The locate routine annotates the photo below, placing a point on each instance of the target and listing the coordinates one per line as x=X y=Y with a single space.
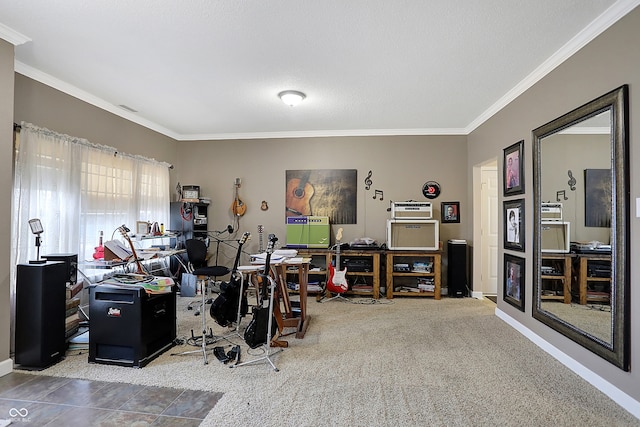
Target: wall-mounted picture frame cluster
x=514 y=278
x=450 y=212
x=513 y=225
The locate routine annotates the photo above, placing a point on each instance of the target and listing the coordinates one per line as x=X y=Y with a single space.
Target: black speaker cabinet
x=70 y=261
x=457 y=268
x=129 y=327
x=40 y=314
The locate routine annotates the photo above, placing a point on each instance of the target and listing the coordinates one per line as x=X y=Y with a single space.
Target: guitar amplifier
x=411 y=210
x=554 y=236
x=405 y=234
x=306 y=232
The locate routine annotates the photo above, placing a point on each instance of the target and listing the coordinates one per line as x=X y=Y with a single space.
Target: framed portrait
x=514 y=224
x=512 y=168
x=513 y=291
x=450 y=212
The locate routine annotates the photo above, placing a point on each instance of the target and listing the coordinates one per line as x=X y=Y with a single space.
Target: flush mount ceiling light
x=291 y=97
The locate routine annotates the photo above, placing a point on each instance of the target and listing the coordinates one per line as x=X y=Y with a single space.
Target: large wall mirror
x=581 y=225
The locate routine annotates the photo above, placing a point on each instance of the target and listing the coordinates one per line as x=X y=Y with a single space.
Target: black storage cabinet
x=129 y=327
x=40 y=309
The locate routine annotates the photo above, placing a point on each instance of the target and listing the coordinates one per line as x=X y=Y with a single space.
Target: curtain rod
x=17 y=127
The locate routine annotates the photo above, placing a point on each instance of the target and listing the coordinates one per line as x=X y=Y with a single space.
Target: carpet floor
x=409 y=362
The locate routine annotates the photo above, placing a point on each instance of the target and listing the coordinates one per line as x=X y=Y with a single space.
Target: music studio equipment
x=411 y=210
x=406 y=234
x=307 y=232
x=554 y=236
x=457 y=268
x=70 y=262
x=128 y=326
x=40 y=313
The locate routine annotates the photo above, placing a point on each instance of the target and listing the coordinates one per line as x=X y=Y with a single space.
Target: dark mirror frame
x=617 y=102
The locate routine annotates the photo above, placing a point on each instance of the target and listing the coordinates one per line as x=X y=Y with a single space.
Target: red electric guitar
x=337 y=283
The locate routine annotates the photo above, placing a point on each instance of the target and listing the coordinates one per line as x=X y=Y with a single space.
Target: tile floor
x=27 y=399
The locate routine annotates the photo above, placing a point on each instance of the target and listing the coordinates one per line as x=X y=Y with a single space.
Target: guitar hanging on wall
x=238 y=207
x=337 y=283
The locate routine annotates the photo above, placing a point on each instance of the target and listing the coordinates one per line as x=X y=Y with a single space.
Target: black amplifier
x=357 y=265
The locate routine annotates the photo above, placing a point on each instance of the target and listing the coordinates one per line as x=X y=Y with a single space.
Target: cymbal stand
x=266 y=346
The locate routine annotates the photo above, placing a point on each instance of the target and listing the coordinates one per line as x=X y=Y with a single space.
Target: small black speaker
x=71 y=263
x=457 y=268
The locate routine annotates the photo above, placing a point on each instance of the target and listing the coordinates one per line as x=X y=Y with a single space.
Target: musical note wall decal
x=380 y=193
x=368 y=182
x=561 y=193
x=572 y=181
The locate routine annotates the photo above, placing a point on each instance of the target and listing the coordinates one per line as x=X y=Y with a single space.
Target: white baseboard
x=6 y=367
x=477 y=294
x=620 y=397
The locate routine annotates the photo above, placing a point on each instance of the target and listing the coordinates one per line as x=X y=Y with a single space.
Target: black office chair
x=197 y=265
x=197 y=254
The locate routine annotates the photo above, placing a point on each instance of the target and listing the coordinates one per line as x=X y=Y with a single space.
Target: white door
x=489 y=229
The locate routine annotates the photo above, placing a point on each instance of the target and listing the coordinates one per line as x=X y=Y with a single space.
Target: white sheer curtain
x=78 y=189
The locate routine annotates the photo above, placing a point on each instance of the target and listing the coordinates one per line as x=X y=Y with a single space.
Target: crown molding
x=12 y=36
x=609 y=17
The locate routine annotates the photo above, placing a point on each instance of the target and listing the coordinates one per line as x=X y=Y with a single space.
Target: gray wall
x=6 y=176
x=400 y=166
x=609 y=61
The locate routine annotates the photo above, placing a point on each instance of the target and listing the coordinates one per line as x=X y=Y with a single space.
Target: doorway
x=485 y=229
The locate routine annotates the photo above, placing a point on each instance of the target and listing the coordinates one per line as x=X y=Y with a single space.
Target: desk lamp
x=36 y=228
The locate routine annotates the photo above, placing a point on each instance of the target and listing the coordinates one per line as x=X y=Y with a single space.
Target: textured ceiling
x=212 y=69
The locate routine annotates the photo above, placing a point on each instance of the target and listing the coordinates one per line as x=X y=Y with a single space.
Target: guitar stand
x=266 y=346
x=337 y=297
x=204 y=343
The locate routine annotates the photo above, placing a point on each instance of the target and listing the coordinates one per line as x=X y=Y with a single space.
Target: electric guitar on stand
x=337 y=283
x=260 y=232
x=225 y=307
x=256 y=333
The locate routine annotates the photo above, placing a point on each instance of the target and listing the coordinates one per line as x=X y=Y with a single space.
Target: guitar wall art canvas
x=322 y=192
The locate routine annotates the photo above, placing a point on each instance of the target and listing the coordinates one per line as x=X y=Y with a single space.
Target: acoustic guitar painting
x=238 y=207
x=337 y=283
x=299 y=193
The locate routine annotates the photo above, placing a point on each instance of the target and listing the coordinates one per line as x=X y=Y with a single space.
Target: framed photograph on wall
x=513 y=291
x=512 y=168
x=450 y=212
x=513 y=220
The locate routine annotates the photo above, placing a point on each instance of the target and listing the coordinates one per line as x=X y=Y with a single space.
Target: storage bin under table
x=128 y=326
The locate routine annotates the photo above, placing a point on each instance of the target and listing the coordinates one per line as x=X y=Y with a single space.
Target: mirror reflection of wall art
x=514 y=224
x=597 y=197
x=322 y=192
x=512 y=168
x=514 y=278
